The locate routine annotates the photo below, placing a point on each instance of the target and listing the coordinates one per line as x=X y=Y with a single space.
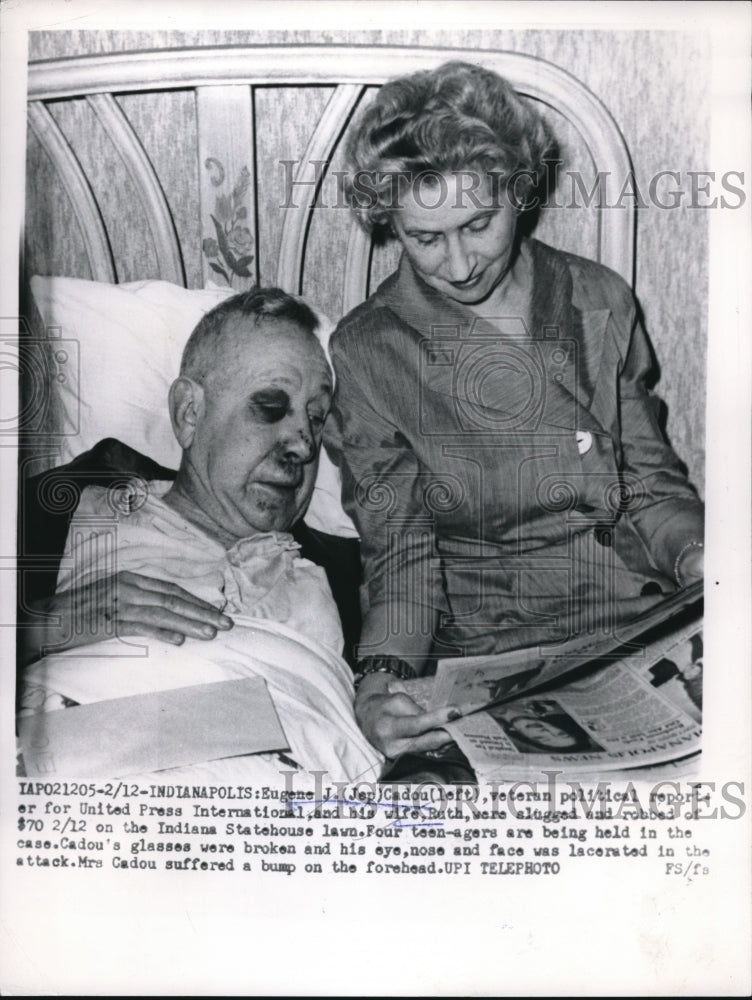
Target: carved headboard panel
x=221 y=165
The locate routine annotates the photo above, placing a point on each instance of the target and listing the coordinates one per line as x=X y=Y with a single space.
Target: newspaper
x=474 y=681
x=586 y=706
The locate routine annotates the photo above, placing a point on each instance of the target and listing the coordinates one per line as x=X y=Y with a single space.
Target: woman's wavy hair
x=453 y=118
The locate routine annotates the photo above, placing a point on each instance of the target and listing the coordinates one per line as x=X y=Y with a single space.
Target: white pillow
x=130 y=338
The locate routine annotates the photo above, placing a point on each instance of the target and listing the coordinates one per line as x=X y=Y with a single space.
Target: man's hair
x=458 y=117
x=203 y=352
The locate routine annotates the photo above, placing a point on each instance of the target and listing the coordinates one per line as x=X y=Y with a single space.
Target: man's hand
x=393 y=722
x=122 y=604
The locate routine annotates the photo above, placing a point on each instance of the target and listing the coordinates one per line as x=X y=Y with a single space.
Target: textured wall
x=655 y=84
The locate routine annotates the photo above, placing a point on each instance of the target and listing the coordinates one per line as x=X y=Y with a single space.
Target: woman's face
x=692 y=670
x=543 y=732
x=458 y=235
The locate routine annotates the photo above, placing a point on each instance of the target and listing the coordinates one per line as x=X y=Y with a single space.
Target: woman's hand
x=393 y=722
x=122 y=604
x=690 y=565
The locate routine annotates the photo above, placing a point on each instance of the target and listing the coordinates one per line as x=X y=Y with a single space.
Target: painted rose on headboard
x=229 y=250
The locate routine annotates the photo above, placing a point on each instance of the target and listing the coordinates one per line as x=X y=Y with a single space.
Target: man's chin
x=271 y=508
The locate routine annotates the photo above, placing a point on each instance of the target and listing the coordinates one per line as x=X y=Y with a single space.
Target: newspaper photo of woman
x=680 y=677
x=543 y=727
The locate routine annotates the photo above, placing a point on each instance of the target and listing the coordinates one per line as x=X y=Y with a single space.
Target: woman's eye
x=426 y=241
x=478 y=225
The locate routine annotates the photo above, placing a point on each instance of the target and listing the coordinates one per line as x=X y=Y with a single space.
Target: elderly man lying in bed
x=210 y=554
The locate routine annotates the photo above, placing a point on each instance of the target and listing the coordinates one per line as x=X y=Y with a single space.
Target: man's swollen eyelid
x=271 y=413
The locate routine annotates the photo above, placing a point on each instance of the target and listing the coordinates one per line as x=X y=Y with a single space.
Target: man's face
x=253 y=458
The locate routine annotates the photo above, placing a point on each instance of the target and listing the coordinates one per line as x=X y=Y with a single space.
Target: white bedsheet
x=311 y=688
x=286 y=629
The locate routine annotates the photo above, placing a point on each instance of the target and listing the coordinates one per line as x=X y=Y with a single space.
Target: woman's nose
x=458 y=262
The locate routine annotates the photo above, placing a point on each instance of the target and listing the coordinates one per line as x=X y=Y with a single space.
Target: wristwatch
x=383 y=665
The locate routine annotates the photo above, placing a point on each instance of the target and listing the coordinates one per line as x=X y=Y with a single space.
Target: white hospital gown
x=286 y=630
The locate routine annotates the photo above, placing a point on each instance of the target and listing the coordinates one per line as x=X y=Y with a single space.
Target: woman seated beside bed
x=248 y=411
x=499 y=450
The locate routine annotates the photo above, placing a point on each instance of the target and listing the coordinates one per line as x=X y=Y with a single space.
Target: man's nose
x=458 y=261
x=298 y=443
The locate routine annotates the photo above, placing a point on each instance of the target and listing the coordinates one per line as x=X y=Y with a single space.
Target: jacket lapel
x=557 y=349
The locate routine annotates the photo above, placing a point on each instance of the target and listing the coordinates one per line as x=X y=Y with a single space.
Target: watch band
x=383 y=665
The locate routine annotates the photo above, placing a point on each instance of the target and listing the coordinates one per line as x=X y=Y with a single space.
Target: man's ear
x=186 y=402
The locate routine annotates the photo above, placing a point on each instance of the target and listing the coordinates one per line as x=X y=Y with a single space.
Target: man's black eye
x=270 y=405
x=273 y=414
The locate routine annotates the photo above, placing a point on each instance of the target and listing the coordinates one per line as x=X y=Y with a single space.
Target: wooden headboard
x=115 y=191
